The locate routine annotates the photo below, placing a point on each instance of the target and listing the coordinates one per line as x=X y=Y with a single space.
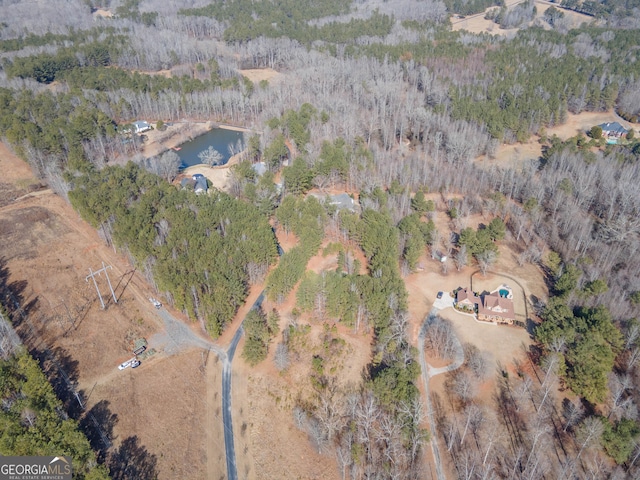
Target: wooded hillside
x=383 y=101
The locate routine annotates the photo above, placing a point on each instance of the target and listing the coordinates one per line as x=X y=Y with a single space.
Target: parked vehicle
x=155 y=302
x=439 y=295
x=135 y=364
x=128 y=363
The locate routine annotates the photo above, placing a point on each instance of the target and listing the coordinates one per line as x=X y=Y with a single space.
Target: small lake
x=218 y=138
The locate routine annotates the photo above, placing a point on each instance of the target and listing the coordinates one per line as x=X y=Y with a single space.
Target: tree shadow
x=126 y=279
x=12 y=295
x=62 y=372
x=132 y=461
x=98 y=424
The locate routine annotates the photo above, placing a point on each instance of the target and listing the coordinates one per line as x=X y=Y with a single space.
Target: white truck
x=132 y=362
x=155 y=302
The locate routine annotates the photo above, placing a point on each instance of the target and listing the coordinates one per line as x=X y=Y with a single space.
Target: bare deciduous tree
x=211 y=156
x=169 y=165
x=281 y=357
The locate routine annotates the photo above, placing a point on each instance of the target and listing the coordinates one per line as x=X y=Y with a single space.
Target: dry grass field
x=153 y=413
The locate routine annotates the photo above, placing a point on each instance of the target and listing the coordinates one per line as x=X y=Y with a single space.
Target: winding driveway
x=230 y=452
x=427 y=372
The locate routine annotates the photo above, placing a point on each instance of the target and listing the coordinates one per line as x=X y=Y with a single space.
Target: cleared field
x=478 y=24
x=150 y=417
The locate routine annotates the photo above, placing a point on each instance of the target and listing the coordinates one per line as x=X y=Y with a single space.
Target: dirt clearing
x=219 y=177
x=258 y=74
x=517 y=154
x=478 y=24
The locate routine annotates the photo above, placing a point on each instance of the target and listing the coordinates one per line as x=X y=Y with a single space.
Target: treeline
x=50 y=130
x=344 y=418
x=586 y=340
x=585 y=69
x=338 y=32
x=558 y=74
x=201 y=251
x=46 y=67
x=471 y=7
x=250 y=20
x=109 y=79
x=306 y=219
x=49 y=39
x=32 y=417
x=603 y=10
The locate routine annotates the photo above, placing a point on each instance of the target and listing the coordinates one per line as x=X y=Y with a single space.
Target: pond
x=218 y=138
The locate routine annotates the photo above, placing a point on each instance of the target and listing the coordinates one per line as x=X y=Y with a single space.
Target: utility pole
x=93 y=274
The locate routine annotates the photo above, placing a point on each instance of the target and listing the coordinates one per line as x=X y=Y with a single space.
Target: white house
x=140 y=126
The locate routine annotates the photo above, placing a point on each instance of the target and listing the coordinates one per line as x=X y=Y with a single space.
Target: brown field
x=515 y=155
x=258 y=74
x=478 y=24
x=102 y=13
x=153 y=413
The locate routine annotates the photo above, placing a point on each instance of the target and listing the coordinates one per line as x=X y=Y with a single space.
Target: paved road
x=232 y=471
x=227 y=420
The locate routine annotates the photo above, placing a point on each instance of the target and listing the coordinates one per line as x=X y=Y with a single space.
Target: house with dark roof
x=613 y=130
x=201 y=185
x=197 y=183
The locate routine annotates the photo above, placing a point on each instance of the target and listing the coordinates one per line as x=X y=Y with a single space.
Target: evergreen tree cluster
x=306 y=219
x=586 y=338
x=482 y=241
x=33 y=421
x=292 y=19
x=259 y=329
x=199 y=249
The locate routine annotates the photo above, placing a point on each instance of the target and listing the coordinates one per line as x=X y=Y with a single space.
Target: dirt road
x=428 y=372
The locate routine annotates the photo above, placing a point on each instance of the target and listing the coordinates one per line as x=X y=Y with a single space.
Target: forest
x=383 y=100
x=197 y=249
x=32 y=417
